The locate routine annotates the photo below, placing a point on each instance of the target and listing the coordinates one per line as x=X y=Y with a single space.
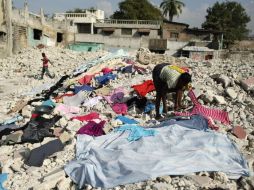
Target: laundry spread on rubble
x=115 y=145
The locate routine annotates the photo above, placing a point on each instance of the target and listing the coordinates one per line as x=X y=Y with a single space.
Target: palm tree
x=171 y=8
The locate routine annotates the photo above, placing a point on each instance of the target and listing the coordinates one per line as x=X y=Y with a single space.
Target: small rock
x=220 y=100
x=161 y=186
x=231 y=93
x=64 y=184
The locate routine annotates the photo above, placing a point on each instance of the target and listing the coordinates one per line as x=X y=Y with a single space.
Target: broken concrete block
x=231 y=93
x=64 y=184
x=239 y=132
x=65 y=137
x=248 y=84
x=220 y=100
x=201 y=181
x=22 y=153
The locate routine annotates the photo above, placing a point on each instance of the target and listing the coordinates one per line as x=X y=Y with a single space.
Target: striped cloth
x=209 y=114
x=170 y=76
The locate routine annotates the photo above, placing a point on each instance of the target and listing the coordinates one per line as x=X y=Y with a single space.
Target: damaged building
x=20 y=29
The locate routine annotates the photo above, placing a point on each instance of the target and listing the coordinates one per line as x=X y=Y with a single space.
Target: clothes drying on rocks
x=87 y=117
x=75 y=100
x=49 y=103
x=116 y=96
x=7 y=129
x=39 y=128
x=88 y=88
x=3 y=178
x=126 y=120
x=102 y=80
x=209 y=114
x=67 y=110
x=92 y=102
x=144 y=88
x=140 y=102
x=106 y=70
x=86 y=79
x=136 y=132
x=13 y=120
x=120 y=108
x=92 y=128
x=197 y=122
x=160 y=155
x=38 y=155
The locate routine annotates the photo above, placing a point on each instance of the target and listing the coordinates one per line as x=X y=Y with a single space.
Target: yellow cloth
x=178 y=69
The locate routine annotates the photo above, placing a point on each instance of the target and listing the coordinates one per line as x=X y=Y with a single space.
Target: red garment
x=45 y=61
x=88 y=117
x=120 y=108
x=86 y=79
x=143 y=89
x=209 y=114
x=106 y=70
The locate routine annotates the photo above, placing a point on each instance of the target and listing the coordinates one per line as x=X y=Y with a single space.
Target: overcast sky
x=193 y=13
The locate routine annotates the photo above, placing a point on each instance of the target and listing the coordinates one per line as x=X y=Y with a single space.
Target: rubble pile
x=220 y=84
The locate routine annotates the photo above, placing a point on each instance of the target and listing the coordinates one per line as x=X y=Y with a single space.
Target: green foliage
x=137 y=10
x=171 y=8
x=230 y=18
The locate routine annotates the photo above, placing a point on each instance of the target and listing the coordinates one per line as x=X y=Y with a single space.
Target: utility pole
x=8 y=19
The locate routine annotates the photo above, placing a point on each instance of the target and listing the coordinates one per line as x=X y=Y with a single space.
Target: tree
x=230 y=18
x=137 y=10
x=171 y=8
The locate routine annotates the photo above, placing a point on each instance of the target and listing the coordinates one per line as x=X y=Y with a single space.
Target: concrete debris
x=222 y=84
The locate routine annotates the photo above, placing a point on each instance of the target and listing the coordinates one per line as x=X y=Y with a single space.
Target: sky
x=193 y=13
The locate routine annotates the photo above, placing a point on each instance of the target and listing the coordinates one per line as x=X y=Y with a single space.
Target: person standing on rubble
x=167 y=79
x=45 y=69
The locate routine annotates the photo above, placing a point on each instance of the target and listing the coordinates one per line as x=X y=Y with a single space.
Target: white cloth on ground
x=111 y=160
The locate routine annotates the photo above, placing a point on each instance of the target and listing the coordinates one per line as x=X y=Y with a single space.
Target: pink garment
x=209 y=114
x=64 y=109
x=120 y=108
x=106 y=70
x=116 y=96
x=92 y=129
x=86 y=79
x=88 y=117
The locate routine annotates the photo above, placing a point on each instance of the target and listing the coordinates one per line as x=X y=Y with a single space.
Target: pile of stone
x=223 y=84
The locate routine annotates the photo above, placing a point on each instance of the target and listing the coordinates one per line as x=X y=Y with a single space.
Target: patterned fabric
x=170 y=76
x=209 y=114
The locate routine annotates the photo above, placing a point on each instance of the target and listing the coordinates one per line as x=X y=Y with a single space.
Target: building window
x=37 y=34
x=2 y=37
x=126 y=31
x=59 y=37
x=174 y=35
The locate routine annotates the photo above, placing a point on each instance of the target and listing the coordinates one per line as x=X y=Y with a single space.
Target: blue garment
x=126 y=120
x=13 y=120
x=136 y=132
x=105 y=78
x=195 y=122
x=49 y=103
x=3 y=178
x=88 y=88
x=150 y=106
